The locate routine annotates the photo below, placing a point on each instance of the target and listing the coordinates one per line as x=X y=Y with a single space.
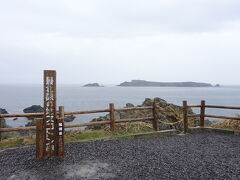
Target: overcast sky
x=110 y=41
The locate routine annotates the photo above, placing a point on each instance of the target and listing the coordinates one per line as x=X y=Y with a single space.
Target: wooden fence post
x=202 y=114
x=39 y=138
x=60 y=135
x=185 y=117
x=112 y=117
x=0 y=127
x=155 y=118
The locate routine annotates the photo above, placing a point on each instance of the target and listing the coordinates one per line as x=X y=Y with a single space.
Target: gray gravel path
x=193 y=156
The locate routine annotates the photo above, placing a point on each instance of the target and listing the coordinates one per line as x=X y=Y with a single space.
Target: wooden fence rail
x=203 y=114
x=112 y=121
x=73 y=112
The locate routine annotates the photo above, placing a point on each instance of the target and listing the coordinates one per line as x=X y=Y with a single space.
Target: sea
x=14 y=98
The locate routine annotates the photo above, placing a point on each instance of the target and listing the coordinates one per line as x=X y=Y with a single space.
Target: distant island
x=92 y=85
x=143 y=83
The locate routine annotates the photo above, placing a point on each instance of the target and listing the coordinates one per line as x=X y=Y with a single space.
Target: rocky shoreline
x=167 y=112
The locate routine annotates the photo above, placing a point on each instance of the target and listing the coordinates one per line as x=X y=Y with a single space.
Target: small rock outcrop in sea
x=3 y=121
x=37 y=109
x=69 y=118
x=33 y=109
x=167 y=112
x=3 y=111
x=92 y=85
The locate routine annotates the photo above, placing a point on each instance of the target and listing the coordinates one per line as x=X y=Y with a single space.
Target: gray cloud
x=112 y=41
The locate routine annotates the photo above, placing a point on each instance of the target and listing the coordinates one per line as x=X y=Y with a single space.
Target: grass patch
x=83 y=135
x=78 y=135
x=129 y=128
x=227 y=124
x=17 y=142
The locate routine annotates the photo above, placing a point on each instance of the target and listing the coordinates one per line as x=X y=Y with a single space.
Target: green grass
x=227 y=124
x=16 y=142
x=97 y=134
x=87 y=135
x=81 y=135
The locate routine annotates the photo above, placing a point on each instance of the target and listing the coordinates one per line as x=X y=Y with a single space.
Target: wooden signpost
x=50 y=129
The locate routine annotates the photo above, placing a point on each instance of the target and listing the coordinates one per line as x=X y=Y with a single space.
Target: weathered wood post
x=0 y=127
x=50 y=114
x=202 y=114
x=60 y=134
x=185 y=117
x=155 y=117
x=39 y=138
x=50 y=130
x=112 y=117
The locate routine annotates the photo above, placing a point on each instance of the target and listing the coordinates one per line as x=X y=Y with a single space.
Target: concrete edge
x=148 y=134
x=154 y=133
x=109 y=138
x=138 y=135
x=214 y=130
x=19 y=147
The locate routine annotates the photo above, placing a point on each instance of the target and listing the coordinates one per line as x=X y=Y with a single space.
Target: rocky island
x=143 y=83
x=92 y=85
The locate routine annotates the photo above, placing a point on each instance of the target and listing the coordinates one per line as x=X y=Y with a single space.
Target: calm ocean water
x=15 y=98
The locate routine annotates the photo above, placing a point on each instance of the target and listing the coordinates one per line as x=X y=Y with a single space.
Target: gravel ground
x=193 y=156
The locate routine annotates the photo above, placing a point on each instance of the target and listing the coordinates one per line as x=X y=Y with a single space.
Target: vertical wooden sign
x=49 y=138
x=49 y=119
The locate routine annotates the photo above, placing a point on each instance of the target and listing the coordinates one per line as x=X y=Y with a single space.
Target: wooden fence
x=112 y=121
x=203 y=114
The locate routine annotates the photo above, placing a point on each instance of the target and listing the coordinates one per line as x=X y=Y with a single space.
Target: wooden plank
x=222 y=117
x=112 y=117
x=42 y=114
x=87 y=111
x=73 y=112
x=222 y=107
x=107 y=122
x=18 y=129
x=193 y=115
x=1 y=128
x=185 y=117
x=202 y=114
x=86 y=124
x=106 y=110
x=60 y=134
x=39 y=138
x=50 y=110
x=21 y=115
x=155 y=117
x=194 y=106
x=78 y=125
x=133 y=120
x=134 y=108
